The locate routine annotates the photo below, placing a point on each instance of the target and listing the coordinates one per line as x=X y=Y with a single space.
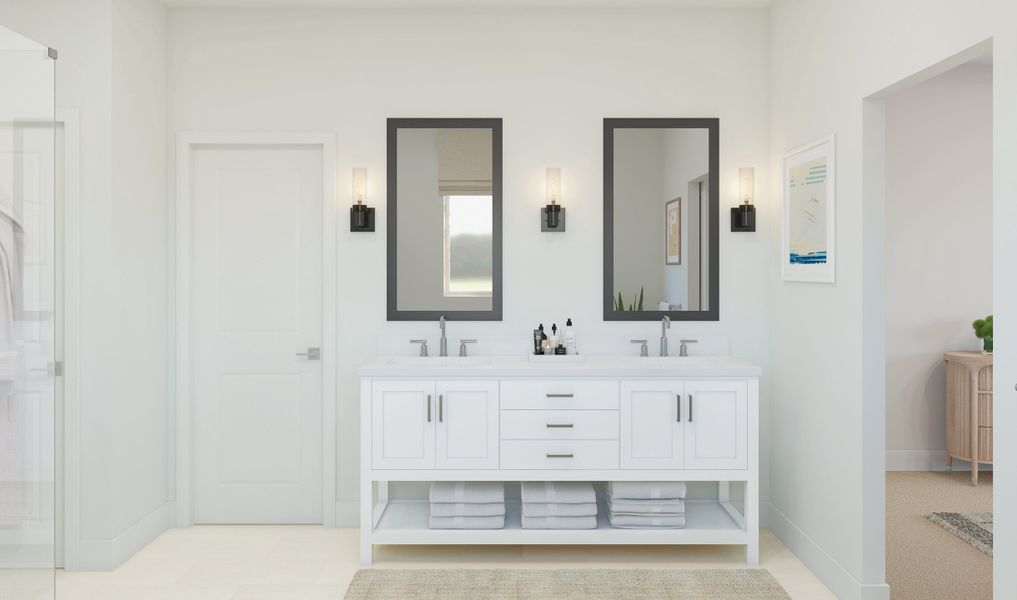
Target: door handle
x=679 y=403
x=311 y=354
x=429 y=408
x=441 y=408
x=690 y=408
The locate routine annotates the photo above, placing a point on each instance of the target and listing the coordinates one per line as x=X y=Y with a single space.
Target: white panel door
x=403 y=418
x=467 y=436
x=651 y=427
x=717 y=425
x=256 y=304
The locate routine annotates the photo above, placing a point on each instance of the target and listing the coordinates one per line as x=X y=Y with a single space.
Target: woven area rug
x=564 y=584
x=973 y=528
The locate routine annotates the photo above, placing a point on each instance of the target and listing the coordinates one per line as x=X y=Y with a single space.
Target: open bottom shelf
x=706 y=522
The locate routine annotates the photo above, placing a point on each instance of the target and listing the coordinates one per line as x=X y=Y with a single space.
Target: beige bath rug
x=564 y=584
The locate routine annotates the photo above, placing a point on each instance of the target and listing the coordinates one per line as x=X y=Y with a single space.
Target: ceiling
x=470 y=3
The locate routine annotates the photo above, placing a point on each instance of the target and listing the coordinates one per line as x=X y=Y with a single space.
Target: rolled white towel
x=647 y=521
x=553 y=509
x=467 y=509
x=647 y=507
x=479 y=492
x=497 y=522
x=559 y=492
x=559 y=522
x=646 y=490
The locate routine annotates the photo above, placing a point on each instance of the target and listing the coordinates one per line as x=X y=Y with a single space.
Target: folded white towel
x=553 y=509
x=559 y=522
x=641 y=490
x=647 y=521
x=467 y=509
x=646 y=507
x=468 y=491
x=561 y=492
x=497 y=522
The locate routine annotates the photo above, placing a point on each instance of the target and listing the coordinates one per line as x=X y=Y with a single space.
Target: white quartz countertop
x=586 y=367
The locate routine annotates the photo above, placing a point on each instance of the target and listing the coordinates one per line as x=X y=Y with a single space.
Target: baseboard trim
x=841 y=582
x=924 y=460
x=347 y=513
x=106 y=555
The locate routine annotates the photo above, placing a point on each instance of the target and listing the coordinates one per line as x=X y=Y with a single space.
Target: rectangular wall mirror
x=444 y=219
x=661 y=225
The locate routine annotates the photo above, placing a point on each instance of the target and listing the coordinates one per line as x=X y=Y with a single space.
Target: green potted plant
x=983 y=330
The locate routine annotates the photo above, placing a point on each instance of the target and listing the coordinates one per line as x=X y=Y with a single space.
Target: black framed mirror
x=444 y=219
x=661 y=219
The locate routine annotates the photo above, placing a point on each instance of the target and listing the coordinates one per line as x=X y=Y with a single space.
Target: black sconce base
x=743 y=217
x=559 y=216
x=361 y=218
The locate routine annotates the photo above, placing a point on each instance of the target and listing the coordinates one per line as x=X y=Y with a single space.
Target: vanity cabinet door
x=651 y=428
x=467 y=425
x=402 y=424
x=716 y=425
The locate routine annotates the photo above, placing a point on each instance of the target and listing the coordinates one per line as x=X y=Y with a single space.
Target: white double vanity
x=693 y=419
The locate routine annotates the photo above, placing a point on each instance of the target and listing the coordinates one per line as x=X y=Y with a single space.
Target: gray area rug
x=564 y=584
x=973 y=528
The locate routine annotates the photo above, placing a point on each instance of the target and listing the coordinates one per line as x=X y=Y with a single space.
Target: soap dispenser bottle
x=570 y=338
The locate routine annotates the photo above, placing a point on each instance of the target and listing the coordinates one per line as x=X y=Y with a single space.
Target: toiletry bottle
x=538 y=337
x=554 y=335
x=570 y=338
x=543 y=340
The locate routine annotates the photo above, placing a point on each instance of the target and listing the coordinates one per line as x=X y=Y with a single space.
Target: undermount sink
x=665 y=361
x=440 y=361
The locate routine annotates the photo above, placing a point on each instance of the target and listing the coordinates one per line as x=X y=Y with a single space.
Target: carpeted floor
x=564 y=584
x=923 y=560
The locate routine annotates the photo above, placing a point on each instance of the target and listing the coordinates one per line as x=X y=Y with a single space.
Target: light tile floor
x=311 y=563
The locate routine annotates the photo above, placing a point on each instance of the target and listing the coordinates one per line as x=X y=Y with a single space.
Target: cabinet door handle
x=429 y=408
x=441 y=408
x=679 y=403
x=559 y=425
x=560 y=395
x=690 y=408
x=569 y=455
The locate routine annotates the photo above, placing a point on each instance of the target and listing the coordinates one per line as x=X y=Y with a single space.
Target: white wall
x=112 y=62
x=828 y=413
x=552 y=75
x=938 y=251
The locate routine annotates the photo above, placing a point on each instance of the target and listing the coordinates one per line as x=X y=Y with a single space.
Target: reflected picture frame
x=673 y=232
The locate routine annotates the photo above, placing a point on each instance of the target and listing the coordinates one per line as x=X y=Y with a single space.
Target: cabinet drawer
x=560 y=394
x=559 y=425
x=559 y=454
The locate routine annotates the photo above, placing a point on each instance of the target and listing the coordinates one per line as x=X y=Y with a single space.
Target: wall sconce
x=361 y=215
x=743 y=216
x=552 y=216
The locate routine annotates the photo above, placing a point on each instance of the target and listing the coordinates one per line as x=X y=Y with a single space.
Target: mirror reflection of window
x=467 y=245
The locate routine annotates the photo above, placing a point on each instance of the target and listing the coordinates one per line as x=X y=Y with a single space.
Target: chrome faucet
x=443 y=342
x=665 y=324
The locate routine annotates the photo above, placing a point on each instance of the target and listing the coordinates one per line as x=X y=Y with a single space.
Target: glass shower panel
x=28 y=334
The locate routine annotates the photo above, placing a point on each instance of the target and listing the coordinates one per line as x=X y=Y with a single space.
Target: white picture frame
x=809 y=248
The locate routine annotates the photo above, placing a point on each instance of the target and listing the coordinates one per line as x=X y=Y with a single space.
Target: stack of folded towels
x=467 y=505
x=559 y=505
x=646 y=504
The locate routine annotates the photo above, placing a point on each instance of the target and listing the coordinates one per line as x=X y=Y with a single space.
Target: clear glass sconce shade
x=359 y=185
x=747 y=185
x=553 y=185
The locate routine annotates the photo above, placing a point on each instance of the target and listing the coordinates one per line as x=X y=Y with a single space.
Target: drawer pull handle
x=561 y=395
x=569 y=455
x=560 y=425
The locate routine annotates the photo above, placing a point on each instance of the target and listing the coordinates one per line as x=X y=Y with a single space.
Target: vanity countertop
x=590 y=366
